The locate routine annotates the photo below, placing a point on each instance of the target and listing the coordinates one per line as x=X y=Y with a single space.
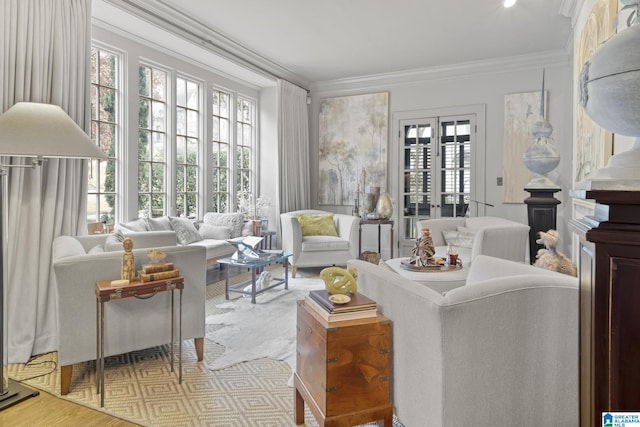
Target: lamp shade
x=31 y=129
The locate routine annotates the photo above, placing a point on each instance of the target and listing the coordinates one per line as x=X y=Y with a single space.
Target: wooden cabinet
x=609 y=269
x=343 y=370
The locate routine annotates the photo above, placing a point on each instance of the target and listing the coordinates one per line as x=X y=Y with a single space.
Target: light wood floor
x=46 y=410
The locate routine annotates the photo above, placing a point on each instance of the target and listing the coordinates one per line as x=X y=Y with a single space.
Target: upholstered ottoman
x=439 y=281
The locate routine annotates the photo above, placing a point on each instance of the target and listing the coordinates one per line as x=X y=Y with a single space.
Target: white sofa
x=500 y=350
x=130 y=324
x=319 y=251
x=211 y=233
x=484 y=235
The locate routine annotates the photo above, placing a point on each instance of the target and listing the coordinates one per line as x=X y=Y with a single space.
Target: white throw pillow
x=137 y=225
x=66 y=246
x=97 y=249
x=460 y=239
x=235 y=221
x=159 y=224
x=114 y=242
x=185 y=230
x=217 y=232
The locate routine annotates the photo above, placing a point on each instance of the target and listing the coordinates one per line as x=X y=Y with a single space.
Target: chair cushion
x=186 y=232
x=324 y=243
x=217 y=232
x=317 y=225
x=215 y=248
x=235 y=221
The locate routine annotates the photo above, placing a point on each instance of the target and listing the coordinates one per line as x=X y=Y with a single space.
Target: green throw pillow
x=317 y=225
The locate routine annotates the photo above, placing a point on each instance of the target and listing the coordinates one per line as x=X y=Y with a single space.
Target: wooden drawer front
x=358 y=371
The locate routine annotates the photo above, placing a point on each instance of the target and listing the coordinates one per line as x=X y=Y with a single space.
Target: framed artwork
x=353 y=133
x=593 y=144
x=521 y=111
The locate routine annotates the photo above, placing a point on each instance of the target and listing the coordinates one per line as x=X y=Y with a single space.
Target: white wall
x=482 y=83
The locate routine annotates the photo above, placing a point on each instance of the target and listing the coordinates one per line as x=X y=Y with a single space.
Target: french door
x=436 y=154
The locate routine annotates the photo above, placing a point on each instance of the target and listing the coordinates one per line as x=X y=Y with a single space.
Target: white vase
x=384 y=208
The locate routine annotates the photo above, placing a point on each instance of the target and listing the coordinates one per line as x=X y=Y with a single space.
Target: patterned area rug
x=140 y=388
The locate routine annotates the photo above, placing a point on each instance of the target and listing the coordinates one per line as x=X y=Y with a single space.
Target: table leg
x=286 y=274
x=379 y=231
x=172 y=343
x=101 y=354
x=253 y=285
x=298 y=409
x=226 y=282
x=391 y=244
x=180 y=340
x=97 y=346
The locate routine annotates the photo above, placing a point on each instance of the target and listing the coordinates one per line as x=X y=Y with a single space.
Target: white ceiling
x=320 y=40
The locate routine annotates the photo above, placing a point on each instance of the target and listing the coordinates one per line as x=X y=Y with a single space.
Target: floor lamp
x=36 y=131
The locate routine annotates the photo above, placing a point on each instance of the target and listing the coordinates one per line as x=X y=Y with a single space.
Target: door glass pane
x=417 y=165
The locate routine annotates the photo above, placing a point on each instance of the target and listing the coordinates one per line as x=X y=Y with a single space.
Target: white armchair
x=500 y=350
x=493 y=236
x=130 y=324
x=319 y=251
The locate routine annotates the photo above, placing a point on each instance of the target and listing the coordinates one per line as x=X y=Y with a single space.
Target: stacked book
x=358 y=307
x=160 y=271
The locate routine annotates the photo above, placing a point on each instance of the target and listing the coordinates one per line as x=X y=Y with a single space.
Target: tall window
x=187 y=143
x=245 y=123
x=220 y=150
x=101 y=202
x=152 y=141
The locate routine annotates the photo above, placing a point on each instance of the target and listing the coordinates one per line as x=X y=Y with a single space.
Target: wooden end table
x=343 y=370
x=141 y=290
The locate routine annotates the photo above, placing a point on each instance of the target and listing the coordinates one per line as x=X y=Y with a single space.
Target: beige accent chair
x=501 y=350
x=130 y=324
x=493 y=236
x=319 y=251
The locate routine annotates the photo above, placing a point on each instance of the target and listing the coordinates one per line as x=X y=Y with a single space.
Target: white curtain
x=45 y=57
x=293 y=148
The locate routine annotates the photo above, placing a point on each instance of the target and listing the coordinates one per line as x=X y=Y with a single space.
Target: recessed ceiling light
x=508 y=3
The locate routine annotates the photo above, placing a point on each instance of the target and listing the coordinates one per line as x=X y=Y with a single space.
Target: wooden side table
x=267 y=241
x=343 y=370
x=379 y=223
x=141 y=290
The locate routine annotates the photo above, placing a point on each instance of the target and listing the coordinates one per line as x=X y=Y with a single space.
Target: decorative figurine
x=422 y=254
x=337 y=280
x=128 y=271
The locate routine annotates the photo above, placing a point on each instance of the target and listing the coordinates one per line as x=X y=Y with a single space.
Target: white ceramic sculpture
x=610 y=95
x=541 y=157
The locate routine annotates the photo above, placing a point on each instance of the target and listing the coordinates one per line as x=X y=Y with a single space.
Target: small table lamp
x=30 y=129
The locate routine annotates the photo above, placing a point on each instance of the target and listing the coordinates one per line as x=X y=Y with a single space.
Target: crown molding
x=239 y=75
x=454 y=71
x=174 y=21
x=571 y=9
